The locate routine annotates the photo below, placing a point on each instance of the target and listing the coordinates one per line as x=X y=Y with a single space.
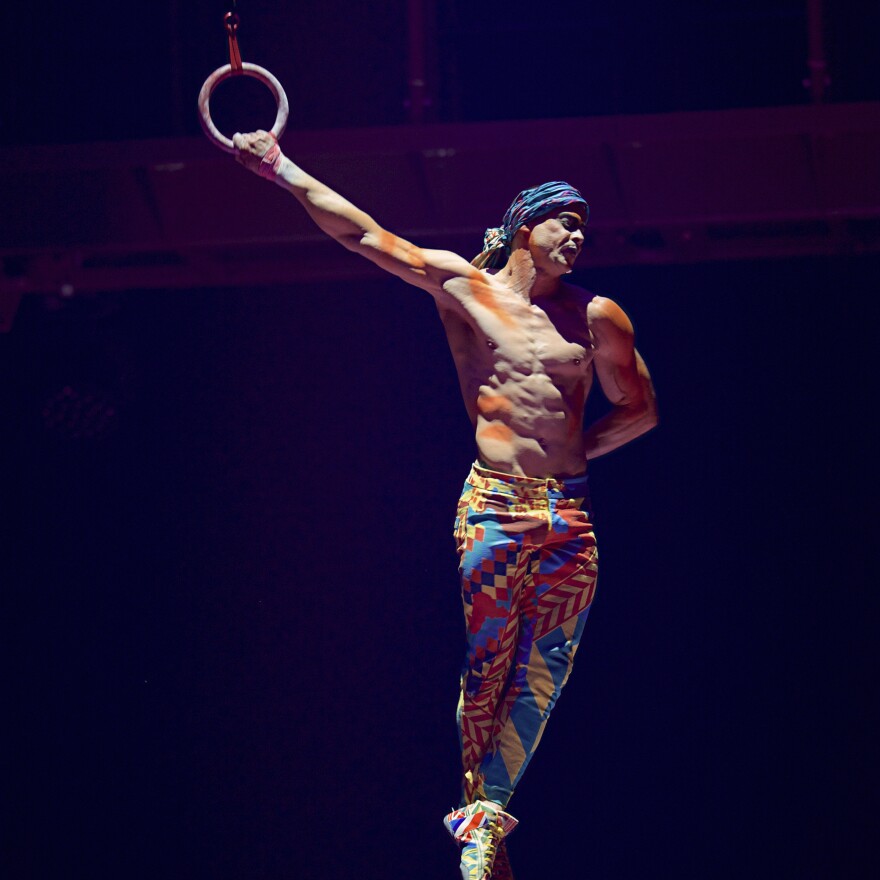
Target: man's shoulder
x=609 y=324
x=603 y=306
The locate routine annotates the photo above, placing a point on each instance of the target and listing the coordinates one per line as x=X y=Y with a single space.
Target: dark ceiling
x=114 y=71
x=701 y=110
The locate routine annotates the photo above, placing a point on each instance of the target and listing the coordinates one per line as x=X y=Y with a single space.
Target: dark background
x=229 y=586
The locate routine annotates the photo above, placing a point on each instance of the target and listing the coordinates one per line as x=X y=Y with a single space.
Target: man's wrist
x=270 y=164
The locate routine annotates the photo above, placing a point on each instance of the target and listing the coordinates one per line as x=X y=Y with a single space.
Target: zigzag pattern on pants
x=566 y=600
x=528 y=573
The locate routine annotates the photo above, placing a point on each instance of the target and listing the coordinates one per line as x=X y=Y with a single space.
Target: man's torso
x=525 y=370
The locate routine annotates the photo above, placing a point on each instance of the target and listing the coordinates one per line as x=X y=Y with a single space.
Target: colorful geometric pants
x=528 y=566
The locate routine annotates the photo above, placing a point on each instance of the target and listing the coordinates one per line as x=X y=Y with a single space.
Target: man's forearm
x=618 y=427
x=340 y=219
x=335 y=215
x=260 y=153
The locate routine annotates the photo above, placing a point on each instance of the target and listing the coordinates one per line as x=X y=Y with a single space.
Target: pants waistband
x=482 y=477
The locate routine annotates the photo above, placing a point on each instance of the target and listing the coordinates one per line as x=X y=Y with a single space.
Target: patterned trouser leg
x=528 y=568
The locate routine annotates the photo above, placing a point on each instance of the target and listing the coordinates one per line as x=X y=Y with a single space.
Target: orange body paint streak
x=401 y=250
x=497 y=431
x=484 y=295
x=387 y=242
x=494 y=406
x=412 y=256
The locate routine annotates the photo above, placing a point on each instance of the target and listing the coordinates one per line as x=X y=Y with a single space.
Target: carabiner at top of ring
x=232 y=21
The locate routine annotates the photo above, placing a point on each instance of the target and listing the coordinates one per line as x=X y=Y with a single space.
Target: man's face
x=557 y=237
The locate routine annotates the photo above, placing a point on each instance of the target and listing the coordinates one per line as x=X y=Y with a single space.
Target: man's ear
x=521 y=237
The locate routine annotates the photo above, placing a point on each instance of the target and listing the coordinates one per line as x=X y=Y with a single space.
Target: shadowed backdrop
x=229 y=586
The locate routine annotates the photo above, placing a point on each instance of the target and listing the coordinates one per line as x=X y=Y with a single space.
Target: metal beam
x=669 y=188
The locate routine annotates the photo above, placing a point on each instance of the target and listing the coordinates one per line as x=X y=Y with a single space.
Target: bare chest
x=513 y=335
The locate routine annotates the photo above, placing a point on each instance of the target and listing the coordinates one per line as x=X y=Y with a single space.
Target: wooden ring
x=225 y=72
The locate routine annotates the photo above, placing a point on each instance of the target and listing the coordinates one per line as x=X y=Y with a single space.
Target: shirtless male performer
x=525 y=344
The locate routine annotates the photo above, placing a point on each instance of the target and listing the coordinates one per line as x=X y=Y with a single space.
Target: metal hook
x=231 y=22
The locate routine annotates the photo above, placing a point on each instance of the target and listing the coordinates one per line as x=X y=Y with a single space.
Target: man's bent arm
x=624 y=378
x=341 y=220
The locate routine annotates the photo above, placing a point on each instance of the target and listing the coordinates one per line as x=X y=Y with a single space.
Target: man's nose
x=578 y=235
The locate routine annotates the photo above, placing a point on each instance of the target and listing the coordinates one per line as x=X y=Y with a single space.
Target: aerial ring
x=221 y=73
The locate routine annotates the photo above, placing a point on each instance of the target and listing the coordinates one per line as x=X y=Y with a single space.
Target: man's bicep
x=621 y=376
x=622 y=373
x=423 y=267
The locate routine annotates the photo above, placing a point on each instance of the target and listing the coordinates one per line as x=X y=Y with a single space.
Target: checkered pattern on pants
x=528 y=566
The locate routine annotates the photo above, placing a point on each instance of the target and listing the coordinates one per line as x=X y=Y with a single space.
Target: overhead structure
x=672 y=188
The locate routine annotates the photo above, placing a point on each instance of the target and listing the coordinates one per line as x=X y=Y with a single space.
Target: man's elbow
x=350 y=241
x=643 y=416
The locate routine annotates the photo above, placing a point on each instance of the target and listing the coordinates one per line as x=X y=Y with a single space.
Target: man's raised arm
x=340 y=219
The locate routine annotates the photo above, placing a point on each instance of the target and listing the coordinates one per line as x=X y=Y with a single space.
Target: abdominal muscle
x=527 y=422
x=524 y=434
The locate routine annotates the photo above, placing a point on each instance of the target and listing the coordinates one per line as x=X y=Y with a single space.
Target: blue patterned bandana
x=530 y=203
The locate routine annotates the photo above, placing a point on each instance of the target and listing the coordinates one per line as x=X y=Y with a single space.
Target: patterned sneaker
x=479 y=827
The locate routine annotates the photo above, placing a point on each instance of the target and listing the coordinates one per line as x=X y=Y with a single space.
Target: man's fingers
x=242 y=154
x=257 y=151
x=258 y=143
